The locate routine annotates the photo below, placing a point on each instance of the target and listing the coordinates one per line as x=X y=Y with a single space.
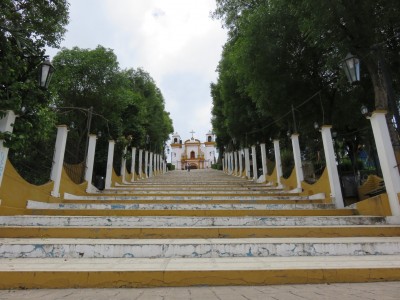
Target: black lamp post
x=351 y=66
x=46 y=71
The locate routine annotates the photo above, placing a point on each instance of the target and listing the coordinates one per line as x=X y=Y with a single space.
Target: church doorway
x=193 y=166
x=192 y=155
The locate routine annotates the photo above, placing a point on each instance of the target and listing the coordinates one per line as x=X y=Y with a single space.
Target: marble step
x=197 y=248
x=198 y=192
x=161 y=221
x=193 y=212
x=120 y=206
x=157 y=272
x=197 y=188
x=68 y=196
x=136 y=232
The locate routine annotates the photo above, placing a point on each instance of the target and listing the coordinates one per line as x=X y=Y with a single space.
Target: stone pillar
x=110 y=161
x=58 y=159
x=151 y=158
x=297 y=159
x=133 y=163
x=254 y=155
x=390 y=169
x=146 y=164
x=236 y=163
x=336 y=191
x=223 y=163
x=240 y=163
x=140 y=172
x=264 y=161
x=123 y=165
x=278 y=163
x=5 y=126
x=90 y=163
x=247 y=162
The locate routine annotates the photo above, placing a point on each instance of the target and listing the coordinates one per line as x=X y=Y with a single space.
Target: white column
x=390 y=169
x=133 y=163
x=110 y=161
x=5 y=126
x=336 y=191
x=240 y=163
x=247 y=162
x=123 y=165
x=223 y=163
x=58 y=159
x=140 y=172
x=264 y=160
x=146 y=164
x=151 y=157
x=155 y=164
x=235 y=158
x=90 y=163
x=297 y=159
x=254 y=155
x=278 y=162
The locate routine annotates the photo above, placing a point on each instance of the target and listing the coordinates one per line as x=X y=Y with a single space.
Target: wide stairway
x=202 y=227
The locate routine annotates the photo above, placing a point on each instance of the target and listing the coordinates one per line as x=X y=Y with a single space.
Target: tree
x=125 y=105
x=26 y=27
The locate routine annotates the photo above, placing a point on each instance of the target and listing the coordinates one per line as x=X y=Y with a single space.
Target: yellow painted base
x=188 y=233
x=118 y=279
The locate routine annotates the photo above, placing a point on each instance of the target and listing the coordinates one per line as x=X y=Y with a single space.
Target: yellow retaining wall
x=273 y=177
x=290 y=183
x=370 y=184
x=15 y=191
x=321 y=186
x=375 y=206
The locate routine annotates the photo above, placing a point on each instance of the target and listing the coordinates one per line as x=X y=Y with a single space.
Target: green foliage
x=170 y=167
x=285 y=53
x=26 y=27
x=127 y=105
x=216 y=166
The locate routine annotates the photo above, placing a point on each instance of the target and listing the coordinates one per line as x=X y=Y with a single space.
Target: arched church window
x=192 y=155
x=175 y=140
x=209 y=138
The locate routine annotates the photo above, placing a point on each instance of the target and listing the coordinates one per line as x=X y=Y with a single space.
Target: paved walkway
x=342 y=291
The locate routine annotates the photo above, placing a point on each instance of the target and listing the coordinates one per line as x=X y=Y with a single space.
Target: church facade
x=193 y=153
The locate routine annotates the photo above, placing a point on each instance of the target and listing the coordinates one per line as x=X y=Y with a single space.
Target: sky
x=175 y=41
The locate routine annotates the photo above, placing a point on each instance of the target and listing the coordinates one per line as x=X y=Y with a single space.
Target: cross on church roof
x=192 y=132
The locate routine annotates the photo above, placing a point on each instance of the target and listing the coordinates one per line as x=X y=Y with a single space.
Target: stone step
x=120 y=206
x=131 y=232
x=194 y=212
x=207 y=192
x=194 y=197
x=177 y=221
x=156 y=272
x=197 y=188
x=198 y=248
x=192 y=202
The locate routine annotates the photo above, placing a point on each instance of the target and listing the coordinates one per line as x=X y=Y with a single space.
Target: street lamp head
x=334 y=134
x=99 y=133
x=46 y=71
x=351 y=66
x=316 y=125
x=364 y=111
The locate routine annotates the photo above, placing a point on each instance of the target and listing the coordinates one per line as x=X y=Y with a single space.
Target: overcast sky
x=176 y=41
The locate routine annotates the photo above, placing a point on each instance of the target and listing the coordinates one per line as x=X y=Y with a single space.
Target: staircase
x=194 y=228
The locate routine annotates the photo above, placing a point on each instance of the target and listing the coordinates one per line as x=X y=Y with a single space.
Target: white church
x=193 y=153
